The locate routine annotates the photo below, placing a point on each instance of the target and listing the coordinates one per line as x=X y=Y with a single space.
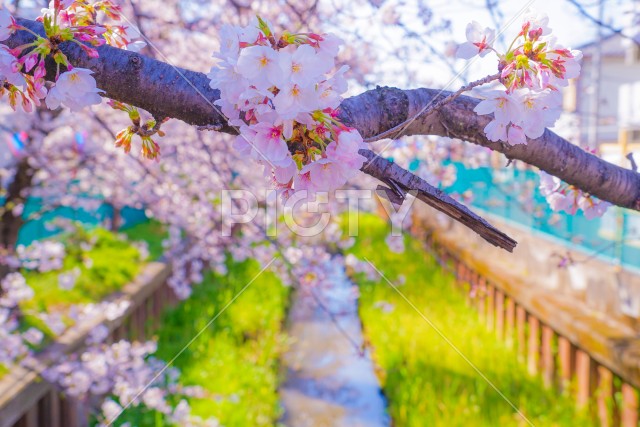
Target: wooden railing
x=594 y=359
x=28 y=401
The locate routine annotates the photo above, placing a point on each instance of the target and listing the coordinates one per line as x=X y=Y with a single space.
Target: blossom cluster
x=115 y=372
x=44 y=255
x=126 y=374
x=567 y=198
x=23 y=69
x=13 y=290
x=532 y=71
x=283 y=93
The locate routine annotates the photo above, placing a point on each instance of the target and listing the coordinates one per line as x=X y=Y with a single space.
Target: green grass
x=151 y=232
x=236 y=359
x=114 y=264
x=425 y=380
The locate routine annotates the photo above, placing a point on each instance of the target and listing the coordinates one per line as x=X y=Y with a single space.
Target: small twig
x=634 y=165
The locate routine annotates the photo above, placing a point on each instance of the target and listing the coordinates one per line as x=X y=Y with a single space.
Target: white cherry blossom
x=479 y=41
x=260 y=64
x=75 y=89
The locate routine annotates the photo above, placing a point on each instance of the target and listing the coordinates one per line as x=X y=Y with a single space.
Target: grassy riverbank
x=427 y=382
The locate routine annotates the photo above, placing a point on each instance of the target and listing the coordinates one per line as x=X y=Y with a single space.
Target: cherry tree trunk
x=10 y=223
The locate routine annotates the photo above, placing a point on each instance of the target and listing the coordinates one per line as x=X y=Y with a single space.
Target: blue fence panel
x=37 y=229
x=614 y=237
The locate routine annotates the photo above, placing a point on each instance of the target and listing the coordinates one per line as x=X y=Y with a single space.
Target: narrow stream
x=328 y=382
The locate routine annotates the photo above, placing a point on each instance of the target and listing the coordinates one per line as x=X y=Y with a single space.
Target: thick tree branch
x=168 y=91
x=376 y=111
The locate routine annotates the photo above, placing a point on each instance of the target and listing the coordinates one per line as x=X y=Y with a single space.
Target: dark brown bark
x=10 y=224
x=116 y=219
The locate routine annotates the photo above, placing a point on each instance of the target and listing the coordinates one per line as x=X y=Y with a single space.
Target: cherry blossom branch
x=168 y=91
x=375 y=111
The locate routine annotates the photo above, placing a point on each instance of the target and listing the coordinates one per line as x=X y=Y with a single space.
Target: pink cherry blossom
x=561 y=202
x=229 y=43
x=14 y=289
x=10 y=68
x=549 y=184
x=496 y=131
x=536 y=22
x=269 y=142
x=345 y=152
x=325 y=174
x=328 y=46
x=538 y=110
x=66 y=281
x=283 y=175
x=33 y=336
x=303 y=182
x=591 y=207
x=563 y=197
x=516 y=135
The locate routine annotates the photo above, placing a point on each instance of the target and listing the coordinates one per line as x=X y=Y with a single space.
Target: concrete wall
x=597 y=286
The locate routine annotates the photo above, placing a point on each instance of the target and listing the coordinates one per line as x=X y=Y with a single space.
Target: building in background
x=606 y=97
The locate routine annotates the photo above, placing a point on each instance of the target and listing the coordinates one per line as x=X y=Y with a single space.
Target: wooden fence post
x=547 y=360
x=510 y=320
x=481 y=297
x=566 y=360
x=521 y=330
x=499 y=303
x=51 y=416
x=583 y=378
x=604 y=396
x=491 y=309
x=629 y=406
x=533 y=352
